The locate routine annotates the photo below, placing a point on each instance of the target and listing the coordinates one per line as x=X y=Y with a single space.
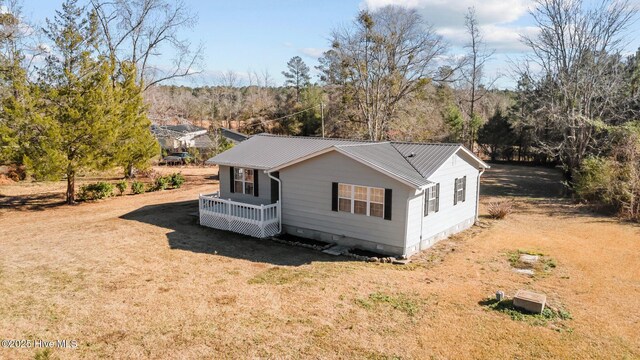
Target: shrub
x=137 y=187
x=95 y=191
x=162 y=182
x=500 y=209
x=122 y=186
x=177 y=179
x=612 y=180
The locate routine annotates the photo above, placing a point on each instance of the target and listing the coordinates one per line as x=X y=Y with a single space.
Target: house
x=395 y=198
x=174 y=137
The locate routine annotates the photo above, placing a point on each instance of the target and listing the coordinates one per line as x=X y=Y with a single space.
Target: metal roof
x=385 y=157
x=233 y=135
x=264 y=151
x=426 y=158
x=411 y=163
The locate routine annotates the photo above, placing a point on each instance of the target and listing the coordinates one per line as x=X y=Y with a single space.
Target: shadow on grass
x=522 y=181
x=32 y=202
x=188 y=235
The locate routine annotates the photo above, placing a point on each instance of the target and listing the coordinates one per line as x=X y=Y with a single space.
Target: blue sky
x=253 y=35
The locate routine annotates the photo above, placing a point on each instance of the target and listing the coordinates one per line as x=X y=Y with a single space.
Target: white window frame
x=244 y=180
x=352 y=198
x=460 y=185
x=433 y=198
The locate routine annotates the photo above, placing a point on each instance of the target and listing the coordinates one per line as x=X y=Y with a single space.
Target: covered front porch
x=259 y=221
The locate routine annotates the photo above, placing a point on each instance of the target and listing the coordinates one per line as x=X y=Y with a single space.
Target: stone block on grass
x=530 y=301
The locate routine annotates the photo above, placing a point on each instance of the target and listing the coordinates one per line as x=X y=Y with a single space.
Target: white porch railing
x=254 y=220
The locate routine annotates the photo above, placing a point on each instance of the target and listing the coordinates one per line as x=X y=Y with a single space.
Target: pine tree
x=136 y=144
x=79 y=121
x=297 y=76
x=18 y=107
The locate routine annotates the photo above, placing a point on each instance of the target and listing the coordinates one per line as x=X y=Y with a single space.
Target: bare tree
x=474 y=88
x=136 y=31
x=577 y=50
x=384 y=57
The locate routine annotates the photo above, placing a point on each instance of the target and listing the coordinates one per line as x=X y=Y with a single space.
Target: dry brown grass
x=136 y=277
x=500 y=209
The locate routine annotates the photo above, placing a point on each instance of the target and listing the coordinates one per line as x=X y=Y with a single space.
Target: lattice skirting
x=223 y=223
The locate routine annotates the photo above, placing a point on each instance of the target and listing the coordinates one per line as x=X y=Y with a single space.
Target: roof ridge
x=407 y=160
x=421 y=143
x=382 y=168
x=315 y=138
x=365 y=144
x=354 y=140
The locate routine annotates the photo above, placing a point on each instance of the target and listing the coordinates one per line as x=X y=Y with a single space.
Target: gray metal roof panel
x=412 y=162
x=265 y=151
x=387 y=158
x=426 y=158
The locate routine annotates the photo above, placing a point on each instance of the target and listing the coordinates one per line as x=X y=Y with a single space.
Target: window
x=432 y=200
x=243 y=181
x=362 y=200
x=459 y=190
x=344 y=197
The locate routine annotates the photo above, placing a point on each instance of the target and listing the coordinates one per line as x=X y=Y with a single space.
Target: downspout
x=478 y=194
x=279 y=200
x=424 y=193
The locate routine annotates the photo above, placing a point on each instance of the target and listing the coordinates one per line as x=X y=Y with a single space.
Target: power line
x=283 y=117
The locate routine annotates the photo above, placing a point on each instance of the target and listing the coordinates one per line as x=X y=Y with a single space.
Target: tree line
x=388 y=75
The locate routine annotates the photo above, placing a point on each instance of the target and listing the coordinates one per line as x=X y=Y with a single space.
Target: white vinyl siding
x=448 y=216
x=264 y=184
x=306 y=200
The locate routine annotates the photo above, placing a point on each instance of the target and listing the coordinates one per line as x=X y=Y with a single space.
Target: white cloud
x=451 y=12
x=503 y=39
x=313 y=52
x=495 y=17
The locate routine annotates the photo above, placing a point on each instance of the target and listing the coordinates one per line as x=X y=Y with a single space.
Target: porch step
x=336 y=250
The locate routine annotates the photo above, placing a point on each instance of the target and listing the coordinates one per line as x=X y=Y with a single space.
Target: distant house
x=395 y=198
x=174 y=137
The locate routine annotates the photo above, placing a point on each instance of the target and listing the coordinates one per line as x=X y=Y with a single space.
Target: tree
x=136 y=30
x=472 y=75
x=578 y=53
x=297 y=76
x=78 y=122
x=384 y=57
x=136 y=144
x=497 y=135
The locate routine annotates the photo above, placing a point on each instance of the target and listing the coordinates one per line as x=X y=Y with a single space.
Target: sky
x=262 y=35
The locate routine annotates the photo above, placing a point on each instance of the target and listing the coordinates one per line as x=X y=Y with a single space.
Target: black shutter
x=255 y=182
x=464 y=188
x=426 y=201
x=455 y=192
x=437 y=197
x=275 y=191
x=334 y=196
x=232 y=171
x=387 y=204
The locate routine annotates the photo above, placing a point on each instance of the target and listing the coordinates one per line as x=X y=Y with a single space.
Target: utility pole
x=322 y=117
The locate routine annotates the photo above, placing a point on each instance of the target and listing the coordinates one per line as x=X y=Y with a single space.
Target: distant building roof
x=411 y=163
x=203 y=142
x=233 y=135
